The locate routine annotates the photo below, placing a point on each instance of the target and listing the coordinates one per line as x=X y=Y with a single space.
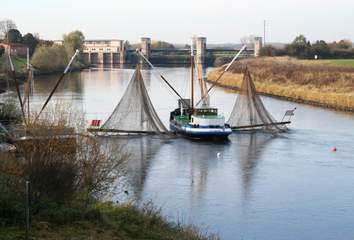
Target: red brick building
x=15 y=48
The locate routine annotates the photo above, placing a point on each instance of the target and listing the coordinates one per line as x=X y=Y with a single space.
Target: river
x=254 y=187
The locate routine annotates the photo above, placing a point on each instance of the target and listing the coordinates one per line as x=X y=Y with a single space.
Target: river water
x=256 y=186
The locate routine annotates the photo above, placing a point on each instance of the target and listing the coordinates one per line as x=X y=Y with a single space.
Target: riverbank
x=102 y=221
x=324 y=83
x=21 y=69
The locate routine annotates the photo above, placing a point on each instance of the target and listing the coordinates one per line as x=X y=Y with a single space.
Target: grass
x=323 y=83
x=343 y=62
x=104 y=221
x=19 y=64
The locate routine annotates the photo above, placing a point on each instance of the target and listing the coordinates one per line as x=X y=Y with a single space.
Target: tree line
x=45 y=55
x=304 y=49
x=10 y=34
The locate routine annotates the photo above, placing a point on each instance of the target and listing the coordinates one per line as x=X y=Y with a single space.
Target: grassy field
x=327 y=83
x=343 y=62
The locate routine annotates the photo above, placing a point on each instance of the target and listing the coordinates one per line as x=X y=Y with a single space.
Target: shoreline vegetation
x=324 y=83
x=70 y=175
x=46 y=57
x=104 y=221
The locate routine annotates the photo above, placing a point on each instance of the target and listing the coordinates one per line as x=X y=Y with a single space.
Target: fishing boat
x=198 y=123
x=191 y=121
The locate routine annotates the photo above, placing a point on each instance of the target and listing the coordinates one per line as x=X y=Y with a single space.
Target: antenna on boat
x=222 y=73
x=161 y=76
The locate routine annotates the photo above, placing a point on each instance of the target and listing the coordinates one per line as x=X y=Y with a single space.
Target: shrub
x=221 y=60
x=50 y=58
x=268 y=50
x=10 y=111
x=70 y=168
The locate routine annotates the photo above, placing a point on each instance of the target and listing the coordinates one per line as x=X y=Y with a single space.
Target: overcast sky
x=221 y=21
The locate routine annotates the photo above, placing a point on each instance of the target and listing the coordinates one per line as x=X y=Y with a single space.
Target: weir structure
x=104 y=51
x=114 y=51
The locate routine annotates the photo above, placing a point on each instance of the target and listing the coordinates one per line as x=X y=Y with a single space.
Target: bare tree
x=5 y=26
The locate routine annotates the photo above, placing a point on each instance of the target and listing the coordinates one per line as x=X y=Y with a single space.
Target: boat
x=189 y=120
x=198 y=123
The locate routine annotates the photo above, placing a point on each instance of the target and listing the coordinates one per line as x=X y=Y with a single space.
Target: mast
x=192 y=74
x=29 y=87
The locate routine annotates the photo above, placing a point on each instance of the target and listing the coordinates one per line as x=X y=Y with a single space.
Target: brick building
x=17 y=49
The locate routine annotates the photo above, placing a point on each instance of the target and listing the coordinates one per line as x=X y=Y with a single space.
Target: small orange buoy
x=334 y=149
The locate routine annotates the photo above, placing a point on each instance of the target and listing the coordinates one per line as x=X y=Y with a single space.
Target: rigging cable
x=162 y=77
x=222 y=73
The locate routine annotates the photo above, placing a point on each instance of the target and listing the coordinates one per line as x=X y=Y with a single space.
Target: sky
x=221 y=21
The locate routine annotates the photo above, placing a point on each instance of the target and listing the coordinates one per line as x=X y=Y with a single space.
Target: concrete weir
x=104 y=51
x=114 y=51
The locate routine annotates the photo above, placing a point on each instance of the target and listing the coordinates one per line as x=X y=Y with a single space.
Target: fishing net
x=249 y=112
x=135 y=111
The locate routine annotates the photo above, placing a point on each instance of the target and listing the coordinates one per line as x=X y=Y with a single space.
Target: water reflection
x=202 y=158
x=249 y=148
x=140 y=152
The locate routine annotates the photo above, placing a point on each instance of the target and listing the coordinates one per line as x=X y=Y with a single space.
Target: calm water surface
x=254 y=187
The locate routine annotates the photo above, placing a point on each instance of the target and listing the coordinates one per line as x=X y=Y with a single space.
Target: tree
x=321 y=49
x=13 y=36
x=74 y=40
x=162 y=45
x=127 y=45
x=300 y=48
x=268 y=50
x=344 y=44
x=5 y=26
x=30 y=41
x=51 y=58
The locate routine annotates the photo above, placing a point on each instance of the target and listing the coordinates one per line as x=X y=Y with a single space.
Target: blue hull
x=200 y=132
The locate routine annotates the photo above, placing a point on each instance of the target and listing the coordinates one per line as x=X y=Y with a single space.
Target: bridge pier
x=258 y=44
x=121 y=52
x=201 y=49
x=146 y=46
x=89 y=58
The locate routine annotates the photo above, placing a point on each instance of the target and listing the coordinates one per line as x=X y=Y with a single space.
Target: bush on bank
x=55 y=57
x=69 y=178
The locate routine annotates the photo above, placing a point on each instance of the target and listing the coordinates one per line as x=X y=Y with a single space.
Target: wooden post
x=27 y=210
